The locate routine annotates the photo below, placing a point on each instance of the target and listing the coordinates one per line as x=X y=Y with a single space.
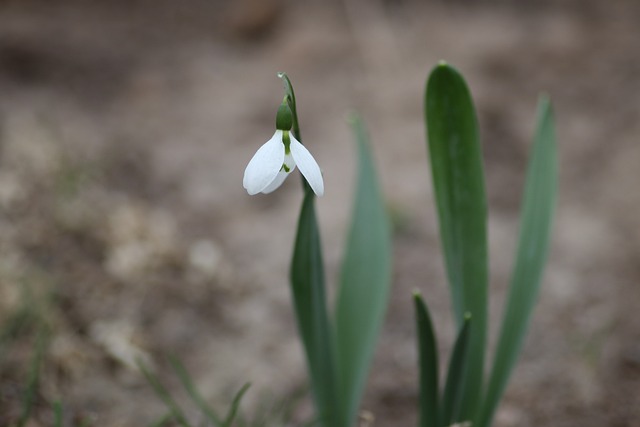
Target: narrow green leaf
x=233 y=410
x=163 y=420
x=364 y=283
x=33 y=379
x=193 y=392
x=164 y=395
x=427 y=365
x=458 y=181
x=57 y=413
x=309 y=301
x=538 y=206
x=452 y=400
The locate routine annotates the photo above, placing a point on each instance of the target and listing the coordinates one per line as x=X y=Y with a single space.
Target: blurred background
x=125 y=233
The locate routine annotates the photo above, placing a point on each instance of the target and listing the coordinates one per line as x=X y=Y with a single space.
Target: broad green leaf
x=364 y=283
x=309 y=301
x=427 y=366
x=458 y=181
x=452 y=399
x=535 y=229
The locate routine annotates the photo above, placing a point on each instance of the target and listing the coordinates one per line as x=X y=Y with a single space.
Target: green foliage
x=33 y=379
x=458 y=181
x=538 y=205
x=57 y=413
x=338 y=358
x=309 y=301
x=309 y=295
x=454 y=389
x=364 y=285
x=429 y=400
x=193 y=392
x=175 y=412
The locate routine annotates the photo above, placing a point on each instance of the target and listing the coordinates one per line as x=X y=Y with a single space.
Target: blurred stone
x=204 y=258
x=118 y=339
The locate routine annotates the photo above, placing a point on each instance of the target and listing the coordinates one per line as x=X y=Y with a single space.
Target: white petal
x=307 y=165
x=282 y=175
x=264 y=166
x=276 y=183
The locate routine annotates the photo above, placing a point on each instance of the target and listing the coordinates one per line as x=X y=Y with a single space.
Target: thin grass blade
x=193 y=392
x=164 y=395
x=458 y=181
x=163 y=420
x=57 y=413
x=538 y=206
x=364 y=283
x=428 y=366
x=33 y=379
x=452 y=399
x=235 y=405
x=309 y=301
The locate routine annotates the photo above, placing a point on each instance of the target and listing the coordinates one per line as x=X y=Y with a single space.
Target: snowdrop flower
x=278 y=157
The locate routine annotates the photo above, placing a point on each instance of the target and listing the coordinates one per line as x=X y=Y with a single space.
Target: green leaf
x=193 y=392
x=458 y=182
x=57 y=414
x=535 y=230
x=233 y=410
x=309 y=301
x=33 y=379
x=174 y=409
x=162 y=421
x=364 y=283
x=452 y=400
x=428 y=365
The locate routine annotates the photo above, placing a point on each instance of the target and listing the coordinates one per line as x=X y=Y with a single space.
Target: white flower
x=272 y=163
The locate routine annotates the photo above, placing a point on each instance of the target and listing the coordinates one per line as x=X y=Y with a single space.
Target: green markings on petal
x=286 y=140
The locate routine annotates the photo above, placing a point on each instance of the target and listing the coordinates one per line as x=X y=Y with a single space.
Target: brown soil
x=125 y=129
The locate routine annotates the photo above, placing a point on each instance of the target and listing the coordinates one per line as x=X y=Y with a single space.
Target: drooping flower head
x=278 y=157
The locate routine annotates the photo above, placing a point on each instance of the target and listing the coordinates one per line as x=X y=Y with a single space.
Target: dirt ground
x=125 y=128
